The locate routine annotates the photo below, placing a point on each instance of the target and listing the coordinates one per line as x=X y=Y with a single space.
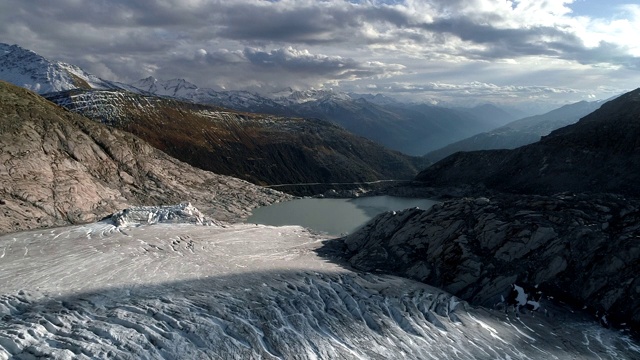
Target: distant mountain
x=489 y=113
x=263 y=149
x=520 y=132
x=27 y=69
x=178 y=88
x=413 y=129
x=186 y=91
x=599 y=153
x=426 y=127
x=59 y=168
x=377 y=99
x=410 y=128
x=308 y=96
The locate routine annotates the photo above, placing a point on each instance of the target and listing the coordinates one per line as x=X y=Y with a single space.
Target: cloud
x=260 y=44
x=275 y=69
x=303 y=63
x=476 y=88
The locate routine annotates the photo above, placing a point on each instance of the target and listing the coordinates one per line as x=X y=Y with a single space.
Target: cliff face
x=57 y=168
x=260 y=148
x=600 y=153
x=581 y=249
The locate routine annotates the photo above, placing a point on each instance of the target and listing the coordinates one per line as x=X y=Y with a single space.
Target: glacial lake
x=332 y=216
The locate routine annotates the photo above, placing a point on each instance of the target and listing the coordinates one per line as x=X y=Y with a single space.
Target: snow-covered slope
x=248 y=292
x=25 y=68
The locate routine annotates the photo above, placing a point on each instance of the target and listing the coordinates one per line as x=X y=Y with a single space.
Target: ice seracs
x=181 y=213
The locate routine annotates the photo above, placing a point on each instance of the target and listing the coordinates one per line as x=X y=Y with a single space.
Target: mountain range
x=410 y=128
x=520 y=132
x=599 y=153
x=414 y=129
x=263 y=149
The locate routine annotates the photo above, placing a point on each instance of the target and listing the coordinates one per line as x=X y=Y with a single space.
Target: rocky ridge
x=581 y=249
x=59 y=168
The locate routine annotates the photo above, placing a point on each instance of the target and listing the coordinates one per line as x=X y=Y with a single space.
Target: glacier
x=149 y=284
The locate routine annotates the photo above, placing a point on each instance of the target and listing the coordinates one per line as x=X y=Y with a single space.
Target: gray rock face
x=582 y=249
x=59 y=168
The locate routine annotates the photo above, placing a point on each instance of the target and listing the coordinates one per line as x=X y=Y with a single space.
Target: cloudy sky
x=456 y=51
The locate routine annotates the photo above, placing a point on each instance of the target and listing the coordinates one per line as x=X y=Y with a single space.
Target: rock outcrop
x=59 y=168
x=581 y=249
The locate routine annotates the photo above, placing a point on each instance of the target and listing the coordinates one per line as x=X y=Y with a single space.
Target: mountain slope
x=600 y=153
x=426 y=127
x=57 y=168
x=262 y=149
x=25 y=68
x=520 y=132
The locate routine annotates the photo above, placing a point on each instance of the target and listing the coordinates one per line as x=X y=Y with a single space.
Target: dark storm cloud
x=315 y=23
x=119 y=26
x=302 y=62
x=273 y=69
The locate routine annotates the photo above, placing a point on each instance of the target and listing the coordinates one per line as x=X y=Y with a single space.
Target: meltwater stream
x=333 y=216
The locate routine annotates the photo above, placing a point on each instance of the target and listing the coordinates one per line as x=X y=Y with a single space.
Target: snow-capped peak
x=32 y=71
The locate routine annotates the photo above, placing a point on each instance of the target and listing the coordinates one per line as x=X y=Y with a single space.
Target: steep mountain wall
x=57 y=168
